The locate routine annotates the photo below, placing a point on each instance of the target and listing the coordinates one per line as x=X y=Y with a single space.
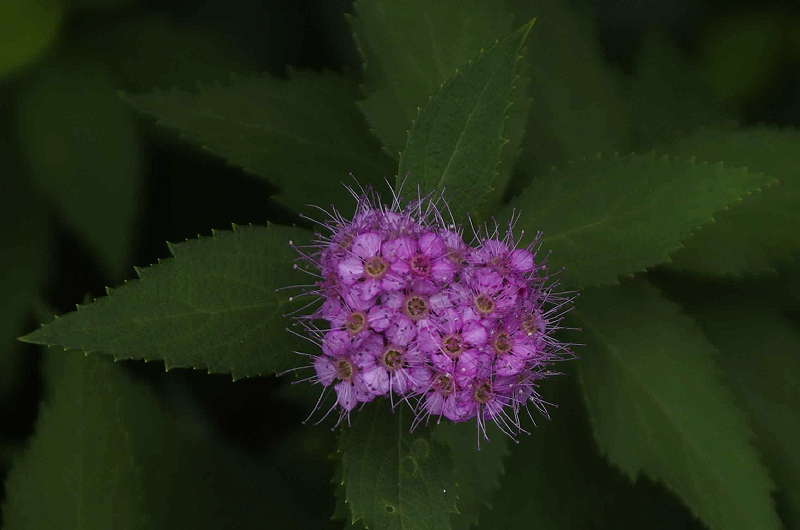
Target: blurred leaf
x=456 y=141
x=23 y=264
x=659 y=407
x=604 y=218
x=477 y=470
x=83 y=151
x=27 y=28
x=741 y=54
x=153 y=51
x=404 y=66
x=99 y=4
x=106 y=454
x=303 y=134
x=395 y=480
x=761 y=359
x=668 y=97
x=212 y=306
x=753 y=236
x=579 y=108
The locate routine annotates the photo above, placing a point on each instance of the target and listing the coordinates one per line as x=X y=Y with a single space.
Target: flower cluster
x=412 y=312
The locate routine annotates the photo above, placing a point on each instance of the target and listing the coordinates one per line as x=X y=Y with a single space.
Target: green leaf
x=82 y=149
x=107 y=454
x=667 y=94
x=759 y=232
x=395 y=480
x=759 y=356
x=477 y=473
x=167 y=53
x=27 y=29
x=606 y=217
x=23 y=264
x=742 y=54
x=580 y=108
x=303 y=134
x=457 y=139
x=212 y=306
x=405 y=66
x=659 y=407
x=555 y=479
x=98 y=4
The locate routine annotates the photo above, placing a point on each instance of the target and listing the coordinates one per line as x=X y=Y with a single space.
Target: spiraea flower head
x=409 y=310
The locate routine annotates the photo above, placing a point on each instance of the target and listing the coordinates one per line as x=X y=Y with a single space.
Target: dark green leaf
x=477 y=473
x=667 y=95
x=167 y=53
x=23 y=264
x=303 y=134
x=741 y=54
x=212 y=306
x=555 y=479
x=579 y=109
x=27 y=28
x=606 y=217
x=457 y=139
x=83 y=151
x=759 y=356
x=753 y=236
x=395 y=480
x=411 y=48
x=106 y=454
x=659 y=407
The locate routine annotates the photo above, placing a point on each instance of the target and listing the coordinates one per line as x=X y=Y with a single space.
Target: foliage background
x=90 y=187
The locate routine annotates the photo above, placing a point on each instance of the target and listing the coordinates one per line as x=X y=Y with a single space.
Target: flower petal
x=521 y=260
x=367 y=245
x=350 y=270
x=431 y=245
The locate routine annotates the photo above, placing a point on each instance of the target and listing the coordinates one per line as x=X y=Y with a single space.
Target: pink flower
x=411 y=311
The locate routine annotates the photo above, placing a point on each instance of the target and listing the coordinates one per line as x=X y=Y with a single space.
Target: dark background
x=748 y=52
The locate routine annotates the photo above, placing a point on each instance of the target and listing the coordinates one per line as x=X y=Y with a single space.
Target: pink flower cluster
x=412 y=312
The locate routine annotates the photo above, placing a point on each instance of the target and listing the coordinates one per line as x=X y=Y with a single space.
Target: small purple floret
x=412 y=312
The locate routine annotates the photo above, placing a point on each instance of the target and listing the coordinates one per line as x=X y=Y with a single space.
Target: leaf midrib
x=470 y=116
x=665 y=411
